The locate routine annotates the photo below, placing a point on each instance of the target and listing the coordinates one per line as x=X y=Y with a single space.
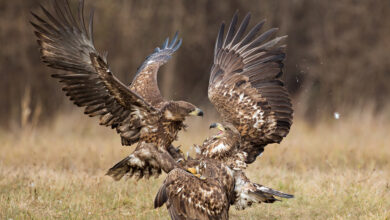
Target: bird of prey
x=246 y=89
x=209 y=193
x=225 y=147
x=138 y=112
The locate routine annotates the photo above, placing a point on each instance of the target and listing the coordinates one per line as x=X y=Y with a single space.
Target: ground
x=337 y=169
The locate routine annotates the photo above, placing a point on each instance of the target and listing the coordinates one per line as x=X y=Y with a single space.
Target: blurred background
x=337 y=56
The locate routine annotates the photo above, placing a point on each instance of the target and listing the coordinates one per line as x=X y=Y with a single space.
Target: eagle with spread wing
x=138 y=112
x=246 y=89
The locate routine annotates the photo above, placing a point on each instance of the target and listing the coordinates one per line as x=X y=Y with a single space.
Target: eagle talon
x=200 y=176
x=192 y=170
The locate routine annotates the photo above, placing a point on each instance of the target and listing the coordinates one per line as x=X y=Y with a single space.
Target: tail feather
x=259 y=197
x=249 y=193
x=132 y=166
x=268 y=190
x=119 y=169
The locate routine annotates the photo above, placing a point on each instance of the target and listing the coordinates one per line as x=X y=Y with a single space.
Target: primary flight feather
x=246 y=89
x=139 y=113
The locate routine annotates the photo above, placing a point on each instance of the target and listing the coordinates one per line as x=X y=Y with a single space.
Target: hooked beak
x=196 y=112
x=218 y=126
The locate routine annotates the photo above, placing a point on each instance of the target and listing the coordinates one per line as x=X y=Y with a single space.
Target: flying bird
x=138 y=112
x=245 y=87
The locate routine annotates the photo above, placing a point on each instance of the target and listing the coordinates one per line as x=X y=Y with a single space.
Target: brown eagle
x=245 y=87
x=208 y=190
x=138 y=112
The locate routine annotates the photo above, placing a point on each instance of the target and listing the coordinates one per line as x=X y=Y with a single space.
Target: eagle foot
x=194 y=172
x=200 y=176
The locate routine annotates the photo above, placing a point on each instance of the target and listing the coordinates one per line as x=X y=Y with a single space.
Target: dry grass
x=337 y=170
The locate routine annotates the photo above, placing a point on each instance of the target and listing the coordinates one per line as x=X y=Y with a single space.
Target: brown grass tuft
x=338 y=169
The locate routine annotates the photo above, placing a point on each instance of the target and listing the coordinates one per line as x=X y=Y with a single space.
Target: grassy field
x=339 y=169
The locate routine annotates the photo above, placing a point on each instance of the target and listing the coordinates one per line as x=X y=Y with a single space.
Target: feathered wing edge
x=249 y=68
x=146 y=161
x=66 y=43
x=147 y=72
x=161 y=197
x=163 y=54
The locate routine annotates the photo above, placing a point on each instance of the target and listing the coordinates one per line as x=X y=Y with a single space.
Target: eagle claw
x=194 y=172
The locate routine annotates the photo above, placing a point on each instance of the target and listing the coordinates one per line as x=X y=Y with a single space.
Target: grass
x=339 y=169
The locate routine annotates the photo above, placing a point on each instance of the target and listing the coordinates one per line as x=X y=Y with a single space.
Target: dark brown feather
x=188 y=197
x=67 y=44
x=247 y=74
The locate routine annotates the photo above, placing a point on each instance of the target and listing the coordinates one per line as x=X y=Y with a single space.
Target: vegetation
x=336 y=170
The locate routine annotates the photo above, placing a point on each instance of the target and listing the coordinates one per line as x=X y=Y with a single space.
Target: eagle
x=207 y=191
x=245 y=87
x=138 y=112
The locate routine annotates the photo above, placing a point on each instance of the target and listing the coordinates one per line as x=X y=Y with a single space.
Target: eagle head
x=179 y=110
x=225 y=129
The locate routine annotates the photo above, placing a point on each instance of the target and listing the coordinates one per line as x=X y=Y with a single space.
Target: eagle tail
x=161 y=197
x=119 y=169
x=133 y=166
x=249 y=193
x=269 y=193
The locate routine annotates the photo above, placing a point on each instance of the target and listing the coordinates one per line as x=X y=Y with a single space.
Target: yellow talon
x=195 y=173
x=192 y=170
x=200 y=176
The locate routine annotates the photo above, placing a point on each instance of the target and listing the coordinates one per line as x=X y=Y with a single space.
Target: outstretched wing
x=145 y=81
x=66 y=44
x=188 y=197
x=245 y=85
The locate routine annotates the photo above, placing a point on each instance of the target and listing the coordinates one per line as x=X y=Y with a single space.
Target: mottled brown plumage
x=209 y=193
x=245 y=86
x=189 y=197
x=139 y=113
x=246 y=89
x=224 y=147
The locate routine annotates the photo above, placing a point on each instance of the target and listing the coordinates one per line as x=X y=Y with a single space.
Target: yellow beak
x=219 y=126
x=196 y=112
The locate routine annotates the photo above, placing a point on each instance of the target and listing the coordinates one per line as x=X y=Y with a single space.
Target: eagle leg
x=194 y=172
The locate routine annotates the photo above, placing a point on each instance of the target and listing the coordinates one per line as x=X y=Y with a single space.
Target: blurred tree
x=337 y=56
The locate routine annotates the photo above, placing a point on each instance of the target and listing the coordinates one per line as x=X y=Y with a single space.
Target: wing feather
x=147 y=72
x=247 y=74
x=67 y=44
x=188 y=197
